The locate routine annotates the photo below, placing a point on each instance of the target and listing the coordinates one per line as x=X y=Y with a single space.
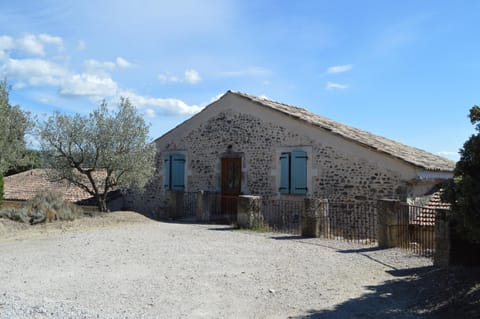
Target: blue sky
x=406 y=70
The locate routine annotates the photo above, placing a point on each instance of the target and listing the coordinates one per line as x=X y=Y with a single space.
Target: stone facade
x=234 y=127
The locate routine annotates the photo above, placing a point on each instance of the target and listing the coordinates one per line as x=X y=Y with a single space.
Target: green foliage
x=463 y=191
x=99 y=152
x=45 y=206
x=30 y=159
x=13 y=125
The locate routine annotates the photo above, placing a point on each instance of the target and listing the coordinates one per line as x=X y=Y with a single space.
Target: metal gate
x=416 y=229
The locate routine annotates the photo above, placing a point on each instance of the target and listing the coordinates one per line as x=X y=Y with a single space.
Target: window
x=293 y=174
x=175 y=172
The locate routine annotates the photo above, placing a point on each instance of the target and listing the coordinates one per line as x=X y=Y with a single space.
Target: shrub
x=462 y=192
x=45 y=206
x=15 y=214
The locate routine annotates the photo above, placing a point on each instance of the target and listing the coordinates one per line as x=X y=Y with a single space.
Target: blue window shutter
x=166 y=176
x=299 y=173
x=178 y=172
x=285 y=173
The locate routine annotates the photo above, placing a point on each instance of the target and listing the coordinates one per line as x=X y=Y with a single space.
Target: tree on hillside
x=13 y=125
x=103 y=151
x=463 y=191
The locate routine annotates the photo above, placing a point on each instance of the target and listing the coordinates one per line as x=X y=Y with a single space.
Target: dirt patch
x=20 y=231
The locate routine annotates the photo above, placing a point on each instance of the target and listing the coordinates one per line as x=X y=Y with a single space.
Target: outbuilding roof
x=412 y=155
x=24 y=186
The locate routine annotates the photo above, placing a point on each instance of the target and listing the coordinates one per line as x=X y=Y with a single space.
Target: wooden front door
x=231 y=176
x=231 y=186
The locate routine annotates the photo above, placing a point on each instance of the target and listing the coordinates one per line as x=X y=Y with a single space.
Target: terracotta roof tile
x=426 y=215
x=25 y=185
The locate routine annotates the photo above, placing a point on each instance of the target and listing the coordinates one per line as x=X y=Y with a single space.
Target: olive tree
x=105 y=150
x=463 y=191
x=13 y=125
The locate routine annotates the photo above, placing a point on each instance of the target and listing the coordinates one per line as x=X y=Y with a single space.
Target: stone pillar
x=248 y=211
x=314 y=213
x=202 y=209
x=387 y=223
x=441 y=258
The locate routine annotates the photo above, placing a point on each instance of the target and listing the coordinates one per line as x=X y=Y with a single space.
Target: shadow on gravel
x=288 y=237
x=425 y=292
x=226 y=228
x=360 y=250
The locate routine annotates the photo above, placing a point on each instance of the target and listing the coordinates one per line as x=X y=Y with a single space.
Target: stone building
x=243 y=144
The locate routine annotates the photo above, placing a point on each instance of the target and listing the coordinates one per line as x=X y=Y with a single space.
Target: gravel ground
x=123 y=265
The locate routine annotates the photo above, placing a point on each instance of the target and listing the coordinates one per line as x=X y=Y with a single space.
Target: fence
x=341 y=220
x=349 y=220
x=207 y=206
x=407 y=226
x=416 y=229
x=282 y=215
x=388 y=222
x=182 y=205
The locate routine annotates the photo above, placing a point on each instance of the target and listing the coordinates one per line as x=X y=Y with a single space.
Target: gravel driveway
x=151 y=269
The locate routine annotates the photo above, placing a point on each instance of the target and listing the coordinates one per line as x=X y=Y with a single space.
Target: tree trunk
x=102 y=203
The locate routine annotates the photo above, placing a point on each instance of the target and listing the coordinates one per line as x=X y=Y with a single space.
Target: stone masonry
x=257 y=141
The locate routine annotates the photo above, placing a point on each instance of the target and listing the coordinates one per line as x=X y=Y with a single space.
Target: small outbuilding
x=21 y=187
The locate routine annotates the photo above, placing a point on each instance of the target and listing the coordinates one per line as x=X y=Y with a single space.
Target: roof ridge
x=410 y=154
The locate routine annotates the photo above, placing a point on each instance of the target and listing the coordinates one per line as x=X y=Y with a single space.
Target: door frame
x=224 y=175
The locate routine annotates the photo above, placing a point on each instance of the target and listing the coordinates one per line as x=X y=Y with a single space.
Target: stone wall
x=332 y=173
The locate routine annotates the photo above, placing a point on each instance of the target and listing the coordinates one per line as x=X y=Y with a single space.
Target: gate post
x=387 y=223
x=441 y=256
x=315 y=210
x=248 y=211
x=202 y=209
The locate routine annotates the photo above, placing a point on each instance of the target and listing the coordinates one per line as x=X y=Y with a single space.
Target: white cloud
x=447 y=153
x=122 y=63
x=50 y=39
x=339 y=68
x=35 y=44
x=81 y=45
x=252 y=71
x=192 y=76
x=6 y=43
x=150 y=113
x=189 y=76
x=35 y=71
x=29 y=43
x=165 y=78
x=100 y=67
x=216 y=97
x=334 y=86
x=19 y=85
x=168 y=106
x=93 y=85
x=94 y=66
